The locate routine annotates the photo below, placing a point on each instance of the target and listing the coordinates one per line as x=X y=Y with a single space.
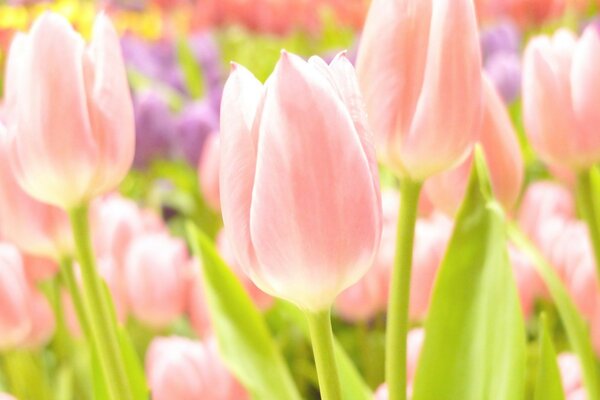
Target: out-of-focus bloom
x=156 y=278
x=69 y=111
x=114 y=276
x=195 y=123
x=503 y=37
x=6 y=396
x=286 y=179
x=15 y=321
x=154 y=128
x=571 y=376
x=544 y=200
x=262 y=300
x=529 y=284
x=415 y=340
x=208 y=171
x=183 y=369
x=196 y=306
x=425 y=109
x=36 y=228
x=42 y=321
x=39 y=269
x=561 y=91
x=504 y=70
x=503 y=156
x=526 y=12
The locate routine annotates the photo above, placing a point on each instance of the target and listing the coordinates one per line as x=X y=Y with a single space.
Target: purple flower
x=504 y=69
x=501 y=38
x=193 y=125
x=154 y=128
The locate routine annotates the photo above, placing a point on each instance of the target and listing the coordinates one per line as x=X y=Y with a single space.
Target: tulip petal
x=51 y=130
x=391 y=66
x=110 y=106
x=241 y=97
x=448 y=112
x=585 y=84
x=315 y=217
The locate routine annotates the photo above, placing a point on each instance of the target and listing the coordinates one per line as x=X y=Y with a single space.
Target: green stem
x=589 y=213
x=397 y=324
x=102 y=325
x=322 y=342
x=68 y=277
x=61 y=336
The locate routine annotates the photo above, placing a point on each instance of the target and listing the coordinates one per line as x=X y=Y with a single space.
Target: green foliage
x=475 y=337
x=548 y=385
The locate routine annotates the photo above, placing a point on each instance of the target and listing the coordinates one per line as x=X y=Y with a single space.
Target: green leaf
x=548 y=384
x=242 y=335
x=475 y=337
x=192 y=73
x=353 y=385
x=135 y=372
x=575 y=326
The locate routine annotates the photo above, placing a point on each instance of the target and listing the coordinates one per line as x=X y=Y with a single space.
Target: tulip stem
x=398 y=307
x=101 y=319
x=322 y=343
x=68 y=278
x=589 y=212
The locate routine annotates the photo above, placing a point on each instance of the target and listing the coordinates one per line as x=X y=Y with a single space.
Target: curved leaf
x=548 y=385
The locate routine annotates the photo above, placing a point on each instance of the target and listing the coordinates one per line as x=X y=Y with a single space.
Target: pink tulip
x=36 y=228
x=69 y=111
x=156 y=278
x=183 y=369
x=208 y=171
x=503 y=156
x=196 y=306
x=6 y=396
x=15 y=321
x=39 y=269
x=561 y=90
x=526 y=12
x=529 y=284
x=419 y=65
x=570 y=373
x=42 y=321
x=299 y=181
x=544 y=200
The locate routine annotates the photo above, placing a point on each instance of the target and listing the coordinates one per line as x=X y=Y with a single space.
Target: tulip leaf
x=575 y=326
x=192 y=73
x=548 y=384
x=475 y=337
x=244 y=340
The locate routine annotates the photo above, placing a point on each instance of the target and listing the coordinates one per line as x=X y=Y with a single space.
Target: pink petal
x=315 y=216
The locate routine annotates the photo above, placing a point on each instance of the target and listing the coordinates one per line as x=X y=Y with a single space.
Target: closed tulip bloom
x=15 y=321
x=34 y=227
x=299 y=194
x=503 y=156
x=197 y=308
x=419 y=66
x=156 y=278
x=6 y=396
x=70 y=116
x=570 y=373
x=208 y=171
x=42 y=321
x=560 y=97
x=183 y=369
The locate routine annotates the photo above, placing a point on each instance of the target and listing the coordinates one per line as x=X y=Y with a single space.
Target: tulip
x=156 y=277
x=504 y=70
x=300 y=196
x=424 y=109
x=154 y=128
x=560 y=95
x=34 y=227
x=529 y=284
x=6 y=396
x=183 y=369
x=197 y=308
x=194 y=125
x=503 y=155
x=285 y=184
x=570 y=373
x=208 y=171
x=42 y=321
x=527 y=12
x=503 y=37
x=69 y=112
x=15 y=321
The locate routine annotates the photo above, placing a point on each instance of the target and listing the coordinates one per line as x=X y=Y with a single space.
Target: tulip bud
x=69 y=110
x=156 y=278
x=561 y=91
x=425 y=108
x=15 y=321
x=299 y=196
x=503 y=156
x=34 y=227
x=208 y=171
x=183 y=369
